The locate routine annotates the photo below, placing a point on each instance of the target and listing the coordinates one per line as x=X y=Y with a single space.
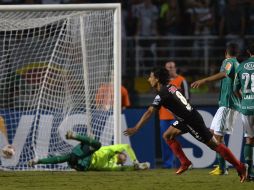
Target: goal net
x=60 y=71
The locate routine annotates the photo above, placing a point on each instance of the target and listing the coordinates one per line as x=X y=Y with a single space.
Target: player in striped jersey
x=166 y=117
x=243 y=86
x=227 y=113
x=189 y=120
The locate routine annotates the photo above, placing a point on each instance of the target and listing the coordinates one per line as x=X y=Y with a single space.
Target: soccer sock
x=54 y=159
x=178 y=151
x=222 y=162
x=88 y=141
x=248 y=153
x=226 y=153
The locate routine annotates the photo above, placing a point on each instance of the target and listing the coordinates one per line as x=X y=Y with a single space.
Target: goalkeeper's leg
x=50 y=160
x=84 y=140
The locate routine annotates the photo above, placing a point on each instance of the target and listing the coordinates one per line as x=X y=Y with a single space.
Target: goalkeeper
x=90 y=155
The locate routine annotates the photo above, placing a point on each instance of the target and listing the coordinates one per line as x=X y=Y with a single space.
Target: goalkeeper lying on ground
x=90 y=155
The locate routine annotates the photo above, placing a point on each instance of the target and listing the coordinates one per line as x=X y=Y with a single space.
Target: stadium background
x=197 y=53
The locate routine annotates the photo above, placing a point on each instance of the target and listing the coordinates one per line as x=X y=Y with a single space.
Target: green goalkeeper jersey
x=227 y=97
x=89 y=155
x=106 y=158
x=245 y=81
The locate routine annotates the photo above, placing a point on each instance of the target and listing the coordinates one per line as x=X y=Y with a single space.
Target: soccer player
x=90 y=155
x=166 y=117
x=227 y=113
x=243 y=88
x=189 y=120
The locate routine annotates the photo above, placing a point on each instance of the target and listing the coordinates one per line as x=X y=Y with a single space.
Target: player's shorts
x=248 y=125
x=224 y=121
x=196 y=128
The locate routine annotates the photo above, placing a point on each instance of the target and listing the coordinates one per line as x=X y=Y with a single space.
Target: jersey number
x=249 y=79
x=183 y=100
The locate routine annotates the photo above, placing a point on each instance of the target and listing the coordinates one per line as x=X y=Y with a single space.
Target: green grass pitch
x=153 y=179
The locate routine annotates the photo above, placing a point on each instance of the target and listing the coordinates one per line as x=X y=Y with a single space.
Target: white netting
x=56 y=71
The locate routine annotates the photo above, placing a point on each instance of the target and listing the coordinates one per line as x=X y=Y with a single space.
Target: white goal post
x=60 y=70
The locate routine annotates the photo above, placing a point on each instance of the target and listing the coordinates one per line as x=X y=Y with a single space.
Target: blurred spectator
x=250 y=25
x=168 y=23
x=168 y=18
x=202 y=17
x=131 y=17
x=105 y=97
x=125 y=98
x=147 y=15
x=232 y=24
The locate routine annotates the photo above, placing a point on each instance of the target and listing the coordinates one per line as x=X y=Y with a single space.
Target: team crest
x=249 y=66
x=228 y=66
x=172 y=89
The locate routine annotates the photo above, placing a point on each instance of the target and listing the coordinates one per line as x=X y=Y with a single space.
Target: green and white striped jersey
x=227 y=97
x=245 y=81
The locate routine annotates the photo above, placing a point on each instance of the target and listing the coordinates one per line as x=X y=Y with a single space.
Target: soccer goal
x=60 y=70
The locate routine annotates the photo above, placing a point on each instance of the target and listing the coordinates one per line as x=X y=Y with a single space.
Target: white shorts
x=248 y=125
x=223 y=121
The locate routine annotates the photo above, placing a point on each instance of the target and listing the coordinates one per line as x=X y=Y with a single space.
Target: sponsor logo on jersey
x=156 y=100
x=248 y=97
x=228 y=66
x=249 y=66
x=172 y=89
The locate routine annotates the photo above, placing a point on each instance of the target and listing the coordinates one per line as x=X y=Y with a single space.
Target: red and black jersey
x=191 y=121
x=171 y=98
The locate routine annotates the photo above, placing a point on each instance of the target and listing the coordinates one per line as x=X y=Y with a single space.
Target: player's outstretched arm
x=211 y=78
x=146 y=116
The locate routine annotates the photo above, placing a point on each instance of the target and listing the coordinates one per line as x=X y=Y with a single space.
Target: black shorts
x=196 y=128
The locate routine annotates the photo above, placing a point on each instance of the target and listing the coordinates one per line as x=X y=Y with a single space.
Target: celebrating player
x=90 y=155
x=189 y=121
x=166 y=117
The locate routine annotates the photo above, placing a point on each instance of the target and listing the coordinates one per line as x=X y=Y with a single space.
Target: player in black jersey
x=188 y=120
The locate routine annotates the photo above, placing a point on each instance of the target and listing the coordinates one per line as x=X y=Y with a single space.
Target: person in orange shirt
x=125 y=98
x=104 y=97
x=166 y=117
x=104 y=101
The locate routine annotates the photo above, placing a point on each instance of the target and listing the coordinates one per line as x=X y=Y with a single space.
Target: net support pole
x=86 y=77
x=117 y=75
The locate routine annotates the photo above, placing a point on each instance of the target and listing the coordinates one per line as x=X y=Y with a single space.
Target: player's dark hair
x=232 y=49
x=161 y=74
x=251 y=48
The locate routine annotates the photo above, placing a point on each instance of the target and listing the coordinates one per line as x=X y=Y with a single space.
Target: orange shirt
x=125 y=97
x=165 y=114
x=105 y=96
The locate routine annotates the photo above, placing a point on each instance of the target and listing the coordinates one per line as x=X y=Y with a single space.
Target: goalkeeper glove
x=32 y=162
x=69 y=135
x=141 y=166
